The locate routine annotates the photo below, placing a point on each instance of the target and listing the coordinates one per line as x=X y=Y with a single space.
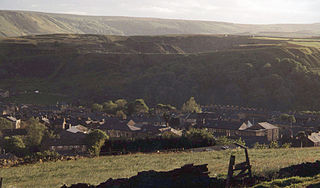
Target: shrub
x=200 y=137
x=223 y=140
x=44 y=156
x=35 y=132
x=260 y=146
x=274 y=144
x=95 y=140
x=15 y=145
x=286 y=145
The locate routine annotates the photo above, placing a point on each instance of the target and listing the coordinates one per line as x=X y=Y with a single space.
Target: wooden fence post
x=248 y=162
x=230 y=170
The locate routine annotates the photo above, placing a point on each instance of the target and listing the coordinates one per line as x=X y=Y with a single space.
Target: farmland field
x=97 y=170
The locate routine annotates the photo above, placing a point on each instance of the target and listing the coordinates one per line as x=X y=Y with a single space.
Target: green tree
x=121 y=104
x=191 y=106
x=14 y=145
x=97 y=107
x=95 y=140
x=5 y=124
x=35 y=132
x=110 y=107
x=200 y=137
x=120 y=114
x=301 y=136
x=138 y=106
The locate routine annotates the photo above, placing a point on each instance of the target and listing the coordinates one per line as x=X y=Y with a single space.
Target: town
x=65 y=128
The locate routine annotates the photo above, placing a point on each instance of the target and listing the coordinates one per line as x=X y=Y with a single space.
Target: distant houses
x=72 y=124
x=68 y=143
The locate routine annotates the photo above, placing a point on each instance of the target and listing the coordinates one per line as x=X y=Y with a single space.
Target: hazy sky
x=238 y=11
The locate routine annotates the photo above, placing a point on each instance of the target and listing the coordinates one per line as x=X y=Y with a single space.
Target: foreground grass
x=292 y=182
x=97 y=170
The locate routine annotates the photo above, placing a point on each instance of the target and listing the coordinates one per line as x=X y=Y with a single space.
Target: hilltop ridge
x=21 y=23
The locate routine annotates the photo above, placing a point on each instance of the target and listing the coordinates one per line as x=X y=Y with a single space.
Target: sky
x=236 y=11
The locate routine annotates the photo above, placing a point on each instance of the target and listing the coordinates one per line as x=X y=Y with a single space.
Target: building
x=262 y=130
x=68 y=143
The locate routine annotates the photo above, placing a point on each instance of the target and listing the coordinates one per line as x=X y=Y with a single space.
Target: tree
x=138 y=106
x=97 y=107
x=35 y=132
x=120 y=114
x=5 y=124
x=200 y=137
x=110 y=107
x=121 y=104
x=14 y=145
x=301 y=136
x=288 y=118
x=191 y=106
x=95 y=140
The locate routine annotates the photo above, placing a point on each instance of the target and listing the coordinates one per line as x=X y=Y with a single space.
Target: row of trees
x=191 y=139
x=121 y=108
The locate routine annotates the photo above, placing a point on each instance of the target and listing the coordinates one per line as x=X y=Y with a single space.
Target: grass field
x=97 y=170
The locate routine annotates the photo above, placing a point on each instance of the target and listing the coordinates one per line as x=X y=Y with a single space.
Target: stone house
x=68 y=143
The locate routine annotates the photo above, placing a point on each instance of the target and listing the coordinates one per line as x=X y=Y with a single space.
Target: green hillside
x=18 y=23
x=275 y=73
x=96 y=170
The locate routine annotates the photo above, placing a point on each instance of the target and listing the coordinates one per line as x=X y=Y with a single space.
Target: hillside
x=275 y=73
x=97 y=170
x=19 y=23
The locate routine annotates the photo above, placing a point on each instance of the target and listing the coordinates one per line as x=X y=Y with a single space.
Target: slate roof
x=68 y=139
x=223 y=125
x=116 y=124
x=78 y=128
x=314 y=137
x=262 y=125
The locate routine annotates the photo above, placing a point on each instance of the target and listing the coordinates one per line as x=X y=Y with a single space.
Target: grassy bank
x=97 y=170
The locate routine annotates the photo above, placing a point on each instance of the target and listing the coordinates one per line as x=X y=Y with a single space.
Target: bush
x=200 y=137
x=95 y=140
x=274 y=144
x=260 y=146
x=286 y=145
x=169 y=135
x=35 y=132
x=15 y=145
x=223 y=140
x=44 y=156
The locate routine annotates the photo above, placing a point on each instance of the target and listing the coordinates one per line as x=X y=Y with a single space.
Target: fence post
x=230 y=171
x=0 y=182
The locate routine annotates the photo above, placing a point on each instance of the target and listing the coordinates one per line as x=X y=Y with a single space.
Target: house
x=15 y=121
x=246 y=130
x=263 y=129
x=78 y=128
x=189 y=119
x=121 y=129
x=58 y=123
x=223 y=128
x=172 y=130
x=68 y=143
x=308 y=140
x=142 y=120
